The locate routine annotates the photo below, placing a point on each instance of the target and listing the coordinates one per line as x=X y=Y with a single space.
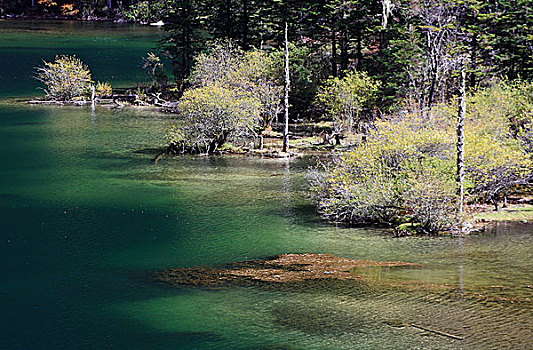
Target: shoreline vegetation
x=307 y=139
x=396 y=171
x=407 y=150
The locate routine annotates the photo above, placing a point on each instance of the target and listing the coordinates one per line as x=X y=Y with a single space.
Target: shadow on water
x=86 y=215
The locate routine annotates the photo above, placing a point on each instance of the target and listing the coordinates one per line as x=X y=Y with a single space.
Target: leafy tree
x=148 y=11
x=210 y=114
x=345 y=100
x=251 y=72
x=65 y=78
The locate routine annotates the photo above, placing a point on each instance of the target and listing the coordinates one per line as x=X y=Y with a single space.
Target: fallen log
x=434 y=331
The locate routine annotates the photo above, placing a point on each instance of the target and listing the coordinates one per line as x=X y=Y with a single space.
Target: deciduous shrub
x=407 y=166
x=399 y=171
x=253 y=73
x=233 y=94
x=345 y=99
x=210 y=115
x=103 y=89
x=65 y=78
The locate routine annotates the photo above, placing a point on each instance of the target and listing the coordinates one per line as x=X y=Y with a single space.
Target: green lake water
x=85 y=216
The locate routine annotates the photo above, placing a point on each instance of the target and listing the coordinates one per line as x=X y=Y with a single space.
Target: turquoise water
x=86 y=216
x=112 y=51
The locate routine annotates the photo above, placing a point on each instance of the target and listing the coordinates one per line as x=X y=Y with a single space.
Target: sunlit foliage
x=69 y=10
x=252 y=73
x=407 y=166
x=400 y=170
x=210 y=115
x=345 y=99
x=147 y=11
x=65 y=78
x=103 y=89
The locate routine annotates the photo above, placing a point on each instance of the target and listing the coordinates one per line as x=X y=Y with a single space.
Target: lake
x=86 y=217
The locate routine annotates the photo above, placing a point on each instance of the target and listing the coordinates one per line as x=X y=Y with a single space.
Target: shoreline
x=478 y=216
x=61 y=18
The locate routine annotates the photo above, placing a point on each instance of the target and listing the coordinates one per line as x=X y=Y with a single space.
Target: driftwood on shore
x=117 y=99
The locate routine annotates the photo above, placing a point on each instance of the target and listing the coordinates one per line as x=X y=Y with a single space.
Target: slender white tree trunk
x=287 y=86
x=460 y=144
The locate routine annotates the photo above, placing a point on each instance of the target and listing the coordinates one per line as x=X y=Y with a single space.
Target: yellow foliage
x=68 y=10
x=47 y=3
x=408 y=163
x=65 y=78
x=103 y=89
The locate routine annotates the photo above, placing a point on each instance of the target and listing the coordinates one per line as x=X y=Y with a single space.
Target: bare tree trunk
x=287 y=87
x=359 y=50
x=93 y=93
x=334 y=54
x=109 y=4
x=460 y=143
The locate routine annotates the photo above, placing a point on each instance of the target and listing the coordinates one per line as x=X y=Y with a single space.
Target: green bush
x=345 y=99
x=65 y=78
x=210 y=115
x=253 y=73
x=407 y=166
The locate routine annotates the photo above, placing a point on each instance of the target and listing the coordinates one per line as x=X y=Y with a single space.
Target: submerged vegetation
x=278 y=270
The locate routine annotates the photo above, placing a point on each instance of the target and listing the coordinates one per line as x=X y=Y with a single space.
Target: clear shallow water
x=85 y=216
